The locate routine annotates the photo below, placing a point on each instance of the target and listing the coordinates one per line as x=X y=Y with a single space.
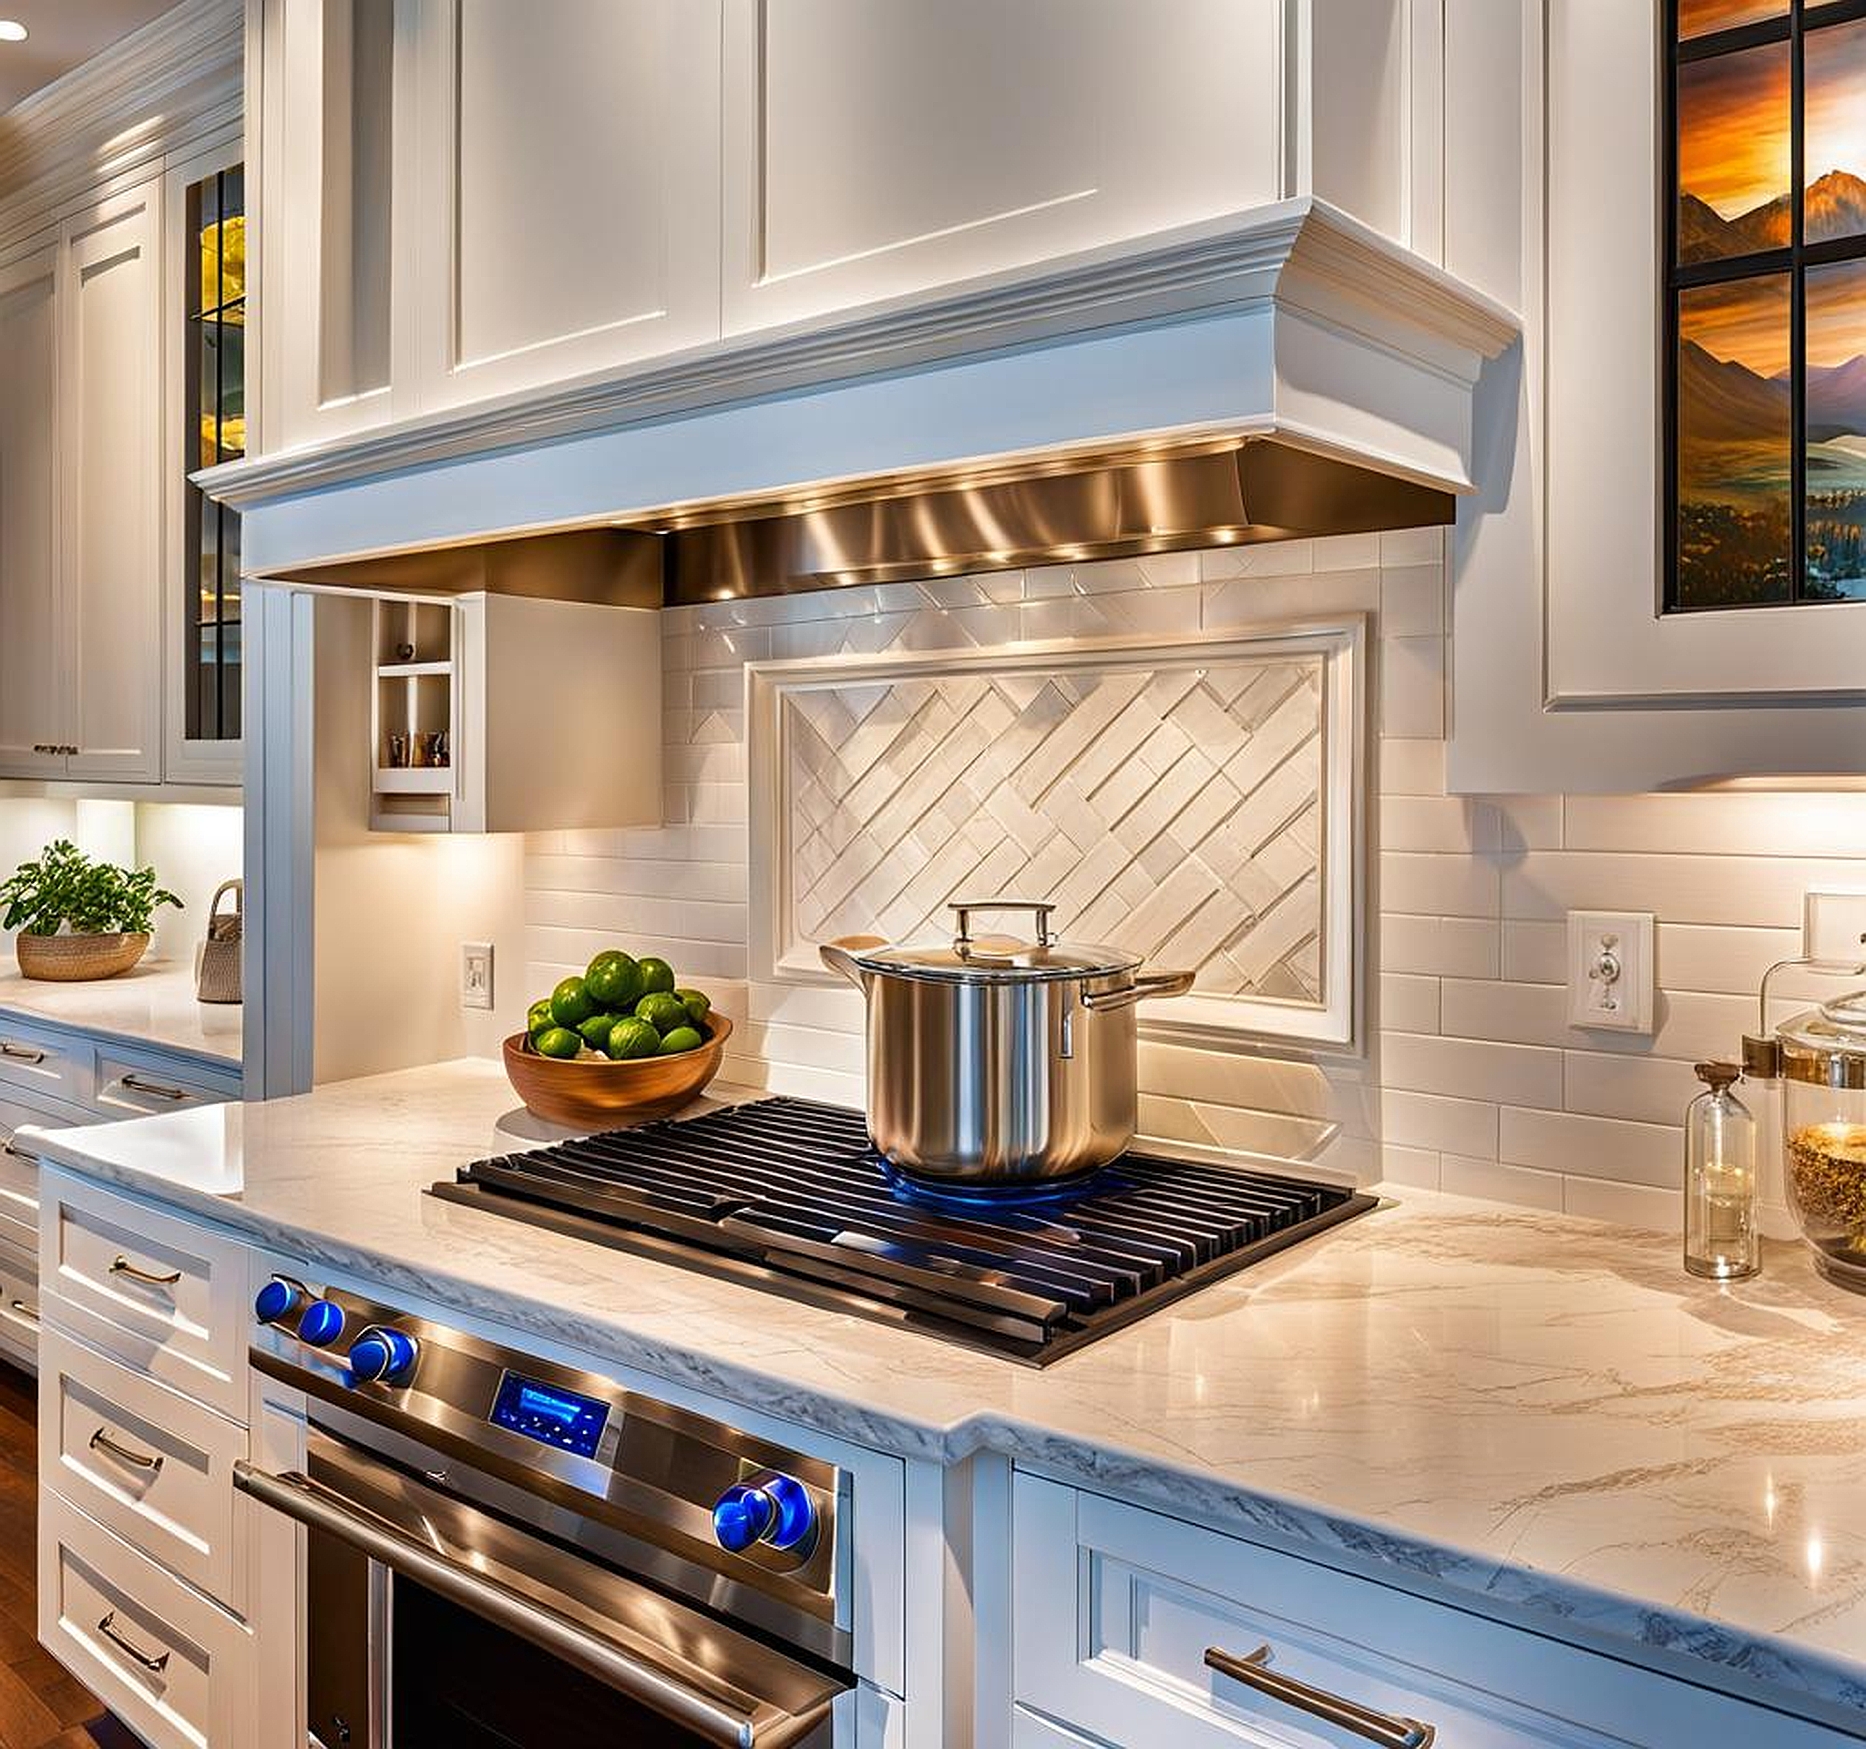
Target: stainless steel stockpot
x=996 y=1061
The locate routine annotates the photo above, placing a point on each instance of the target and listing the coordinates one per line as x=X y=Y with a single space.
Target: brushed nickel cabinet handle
x=20 y=1053
x=141 y=1460
x=107 y=1627
x=31 y=1313
x=159 y=1089
x=1386 y=1729
x=11 y=1146
x=123 y=1266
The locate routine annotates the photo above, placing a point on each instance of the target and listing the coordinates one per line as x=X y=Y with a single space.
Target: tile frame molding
x=1335 y=1027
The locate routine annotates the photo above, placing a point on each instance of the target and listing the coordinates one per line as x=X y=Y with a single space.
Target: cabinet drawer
x=19 y=1305
x=172 y=1666
x=19 y=1180
x=1116 y=1609
x=163 y=1295
x=131 y=1086
x=144 y=1461
x=45 y=1064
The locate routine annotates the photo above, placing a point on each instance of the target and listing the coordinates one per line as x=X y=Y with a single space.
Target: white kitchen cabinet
x=470 y=200
x=568 y=173
x=879 y=150
x=32 y=629
x=110 y=400
x=81 y=531
x=1116 y=1609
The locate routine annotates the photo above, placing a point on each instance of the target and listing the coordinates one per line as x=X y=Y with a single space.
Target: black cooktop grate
x=790 y=1195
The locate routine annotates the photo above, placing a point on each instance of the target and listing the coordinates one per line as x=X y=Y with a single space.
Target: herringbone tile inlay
x=1171 y=810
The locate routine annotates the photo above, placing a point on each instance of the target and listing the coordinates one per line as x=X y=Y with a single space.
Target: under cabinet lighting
x=12 y=31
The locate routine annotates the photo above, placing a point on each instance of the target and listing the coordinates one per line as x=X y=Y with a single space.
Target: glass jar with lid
x=1820 y=1056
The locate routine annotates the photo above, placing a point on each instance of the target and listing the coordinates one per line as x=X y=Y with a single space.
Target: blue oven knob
x=384 y=1354
x=321 y=1324
x=277 y=1300
x=774 y=1509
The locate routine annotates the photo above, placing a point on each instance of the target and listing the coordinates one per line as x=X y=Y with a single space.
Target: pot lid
x=970 y=958
x=1836 y=1026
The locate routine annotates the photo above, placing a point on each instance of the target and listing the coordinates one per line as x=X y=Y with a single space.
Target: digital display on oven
x=552 y=1417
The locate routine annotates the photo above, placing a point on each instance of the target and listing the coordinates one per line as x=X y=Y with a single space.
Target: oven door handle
x=740 y=1724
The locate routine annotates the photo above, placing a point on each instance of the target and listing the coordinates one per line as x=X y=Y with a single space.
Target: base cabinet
x=1124 y=1620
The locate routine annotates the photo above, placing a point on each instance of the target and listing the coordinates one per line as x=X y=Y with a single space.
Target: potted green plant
x=79 y=918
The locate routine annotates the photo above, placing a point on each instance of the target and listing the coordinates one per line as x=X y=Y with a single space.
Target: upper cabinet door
x=32 y=630
x=110 y=402
x=568 y=183
x=885 y=148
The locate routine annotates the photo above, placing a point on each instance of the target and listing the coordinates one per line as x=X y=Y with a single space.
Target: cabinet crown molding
x=1297 y=257
x=165 y=85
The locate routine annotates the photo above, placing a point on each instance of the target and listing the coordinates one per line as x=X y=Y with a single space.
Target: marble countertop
x=154 y=1004
x=1542 y=1413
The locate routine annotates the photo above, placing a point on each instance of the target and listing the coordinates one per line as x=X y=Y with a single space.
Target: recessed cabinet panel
x=109 y=418
x=881 y=149
x=570 y=153
x=31 y=627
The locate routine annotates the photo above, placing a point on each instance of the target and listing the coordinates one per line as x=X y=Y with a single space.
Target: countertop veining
x=1541 y=1410
x=154 y=1004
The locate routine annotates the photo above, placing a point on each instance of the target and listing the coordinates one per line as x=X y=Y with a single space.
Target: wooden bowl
x=588 y=1093
x=75 y=959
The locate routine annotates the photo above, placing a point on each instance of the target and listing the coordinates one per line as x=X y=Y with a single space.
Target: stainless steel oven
x=504 y=1552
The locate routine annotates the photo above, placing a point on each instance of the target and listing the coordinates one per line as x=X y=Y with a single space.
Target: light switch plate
x=476 y=974
x=1610 y=970
x=1833 y=925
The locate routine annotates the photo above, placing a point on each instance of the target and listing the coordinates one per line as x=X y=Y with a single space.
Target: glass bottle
x=1721 y=1240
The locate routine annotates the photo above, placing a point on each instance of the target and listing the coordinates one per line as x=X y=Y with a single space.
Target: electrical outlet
x=1610 y=981
x=1833 y=925
x=476 y=974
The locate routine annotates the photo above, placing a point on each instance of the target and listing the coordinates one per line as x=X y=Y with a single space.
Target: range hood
x=1276 y=373
x=1046 y=512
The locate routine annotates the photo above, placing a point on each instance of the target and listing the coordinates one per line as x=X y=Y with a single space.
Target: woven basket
x=74 y=959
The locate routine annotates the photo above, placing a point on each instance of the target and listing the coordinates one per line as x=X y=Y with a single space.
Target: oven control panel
x=585 y=1438
x=551 y=1416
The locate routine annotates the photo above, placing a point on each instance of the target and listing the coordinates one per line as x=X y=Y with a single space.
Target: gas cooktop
x=790 y=1196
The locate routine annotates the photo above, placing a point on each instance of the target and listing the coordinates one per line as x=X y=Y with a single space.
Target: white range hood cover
x=1292 y=321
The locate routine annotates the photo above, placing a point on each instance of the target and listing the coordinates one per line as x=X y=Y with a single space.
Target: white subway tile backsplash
x=1475 y=1082
x=1626 y=1205
x=1471 y=1068
x=1600 y=1147
x=1495 y=1182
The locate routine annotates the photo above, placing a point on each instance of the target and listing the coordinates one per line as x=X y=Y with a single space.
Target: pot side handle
x=1147 y=985
x=839 y=956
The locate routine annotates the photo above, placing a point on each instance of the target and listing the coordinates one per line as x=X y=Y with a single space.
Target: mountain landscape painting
x=1740 y=267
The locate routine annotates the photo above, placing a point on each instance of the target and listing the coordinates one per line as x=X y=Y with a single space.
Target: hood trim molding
x=1301 y=258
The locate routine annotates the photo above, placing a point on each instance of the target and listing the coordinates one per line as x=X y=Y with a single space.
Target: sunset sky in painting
x=1835 y=95
x=1836 y=313
x=1745 y=320
x=1701 y=17
x=1733 y=128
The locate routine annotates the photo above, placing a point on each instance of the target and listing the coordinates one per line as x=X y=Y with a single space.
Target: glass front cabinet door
x=207 y=217
x=1706 y=369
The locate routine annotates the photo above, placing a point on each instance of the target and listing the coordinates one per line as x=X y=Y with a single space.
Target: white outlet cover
x=1622 y=1003
x=1833 y=922
x=476 y=974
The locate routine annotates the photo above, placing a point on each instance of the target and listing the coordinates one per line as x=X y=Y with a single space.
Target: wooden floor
x=41 y=1707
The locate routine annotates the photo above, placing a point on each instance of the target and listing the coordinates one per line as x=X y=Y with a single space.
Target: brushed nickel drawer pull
x=20 y=1053
x=107 y=1627
x=1386 y=1729
x=11 y=1146
x=101 y=1441
x=123 y=1266
x=31 y=1313
x=160 y=1089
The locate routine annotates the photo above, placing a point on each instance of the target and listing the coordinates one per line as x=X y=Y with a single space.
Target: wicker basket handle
x=232 y=926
